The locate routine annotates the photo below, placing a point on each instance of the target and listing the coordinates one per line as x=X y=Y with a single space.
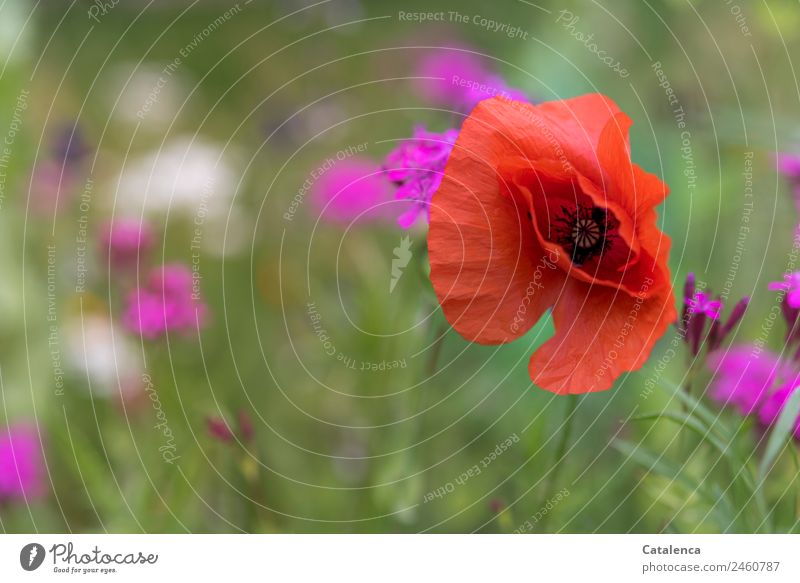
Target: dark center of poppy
x=584 y=231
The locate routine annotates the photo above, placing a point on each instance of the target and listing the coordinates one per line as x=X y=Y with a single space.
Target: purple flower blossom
x=416 y=167
x=744 y=376
x=774 y=404
x=702 y=303
x=718 y=331
x=789 y=165
x=169 y=303
x=698 y=309
x=219 y=430
x=125 y=241
x=351 y=189
x=69 y=145
x=791 y=286
x=688 y=293
x=21 y=465
x=443 y=75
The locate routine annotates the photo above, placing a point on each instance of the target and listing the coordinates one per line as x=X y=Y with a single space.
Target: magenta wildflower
x=21 y=465
x=169 y=303
x=444 y=75
x=219 y=429
x=416 y=167
x=126 y=241
x=718 y=331
x=790 y=286
x=688 y=294
x=774 y=404
x=351 y=189
x=456 y=77
x=789 y=166
x=744 y=376
x=701 y=303
x=698 y=309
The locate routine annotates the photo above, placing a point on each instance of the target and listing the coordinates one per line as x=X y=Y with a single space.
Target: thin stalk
x=561 y=451
x=430 y=368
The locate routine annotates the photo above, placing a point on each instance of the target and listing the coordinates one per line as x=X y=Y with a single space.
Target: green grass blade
x=721 y=506
x=711 y=418
x=706 y=435
x=780 y=434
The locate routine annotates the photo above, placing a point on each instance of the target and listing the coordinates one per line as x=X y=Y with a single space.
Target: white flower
x=188 y=176
x=102 y=353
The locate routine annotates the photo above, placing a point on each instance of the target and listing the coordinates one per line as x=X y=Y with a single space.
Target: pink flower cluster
x=125 y=242
x=456 y=76
x=701 y=323
x=168 y=303
x=352 y=189
x=21 y=465
x=416 y=167
x=169 y=300
x=791 y=287
x=754 y=381
x=220 y=430
x=452 y=76
x=789 y=166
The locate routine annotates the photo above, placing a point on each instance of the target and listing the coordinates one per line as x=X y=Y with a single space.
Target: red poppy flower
x=541 y=208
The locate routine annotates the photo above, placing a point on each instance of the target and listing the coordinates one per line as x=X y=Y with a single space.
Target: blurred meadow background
x=313 y=389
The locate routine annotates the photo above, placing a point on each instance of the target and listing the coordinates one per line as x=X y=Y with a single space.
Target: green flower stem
x=430 y=368
x=561 y=452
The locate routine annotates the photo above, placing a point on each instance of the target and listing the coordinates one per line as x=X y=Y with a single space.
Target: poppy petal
x=629 y=185
x=491 y=278
x=547 y=189
x=600 y=333
x=637 y=191
x=579 y=122
x=567 y=131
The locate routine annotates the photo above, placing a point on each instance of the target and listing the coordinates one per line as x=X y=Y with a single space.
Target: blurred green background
x=273 y=90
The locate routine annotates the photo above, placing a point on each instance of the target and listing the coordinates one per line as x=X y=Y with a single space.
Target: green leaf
x=692 y=422
x=720 y=504
x=695 y=406
x=779 y=435
x=653 y=463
